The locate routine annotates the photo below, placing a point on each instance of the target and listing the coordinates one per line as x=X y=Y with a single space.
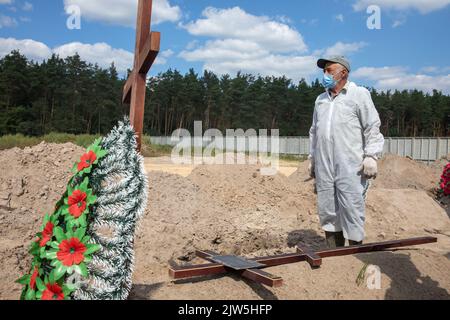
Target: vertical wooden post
x=146 y=50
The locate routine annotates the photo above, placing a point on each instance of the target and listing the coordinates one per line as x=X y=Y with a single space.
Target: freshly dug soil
x=234 y=210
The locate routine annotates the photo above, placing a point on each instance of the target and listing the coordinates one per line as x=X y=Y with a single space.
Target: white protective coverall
x=344 y=130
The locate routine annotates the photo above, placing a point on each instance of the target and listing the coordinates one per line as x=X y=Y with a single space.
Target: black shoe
x=354 y=243
x=335 y=239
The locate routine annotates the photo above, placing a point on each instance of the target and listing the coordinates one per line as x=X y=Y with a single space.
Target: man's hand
x=369 y=167
x=312 y=174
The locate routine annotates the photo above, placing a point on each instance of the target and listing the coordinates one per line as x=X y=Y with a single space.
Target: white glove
x=312 y=174
x=369 y=167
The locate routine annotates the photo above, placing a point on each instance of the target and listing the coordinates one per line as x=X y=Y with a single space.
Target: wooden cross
x=146 y=50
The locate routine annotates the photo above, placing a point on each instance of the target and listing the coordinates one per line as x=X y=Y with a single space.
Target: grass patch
x=293 y=158
x=18 y=140
x=154 y=150
x=21 y=141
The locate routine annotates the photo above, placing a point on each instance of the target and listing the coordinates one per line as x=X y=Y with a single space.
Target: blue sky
x=284 y=37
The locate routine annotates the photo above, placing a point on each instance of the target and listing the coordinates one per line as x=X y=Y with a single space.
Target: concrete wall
x=423 y=149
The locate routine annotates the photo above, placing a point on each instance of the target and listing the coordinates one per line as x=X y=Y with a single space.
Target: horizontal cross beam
x=179 y=272
x=146 y=59
x=149 y=53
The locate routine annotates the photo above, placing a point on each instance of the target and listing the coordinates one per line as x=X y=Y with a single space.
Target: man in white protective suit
x=345 y=143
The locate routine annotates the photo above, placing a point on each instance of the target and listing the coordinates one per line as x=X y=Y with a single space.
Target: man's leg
x=327 y=204
x=352 y=215
x=366 y=185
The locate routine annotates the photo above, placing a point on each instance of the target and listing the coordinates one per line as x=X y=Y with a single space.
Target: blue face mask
x=328 y=81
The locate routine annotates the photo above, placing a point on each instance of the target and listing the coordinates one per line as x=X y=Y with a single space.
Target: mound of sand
x=235 y=210
x=403 y=173
x=32 y=180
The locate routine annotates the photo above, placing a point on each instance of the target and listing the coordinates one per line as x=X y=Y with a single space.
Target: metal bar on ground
x=252 y=274
x=179 y=272
x=262 y=277
x=313 y=258
x=371 y=247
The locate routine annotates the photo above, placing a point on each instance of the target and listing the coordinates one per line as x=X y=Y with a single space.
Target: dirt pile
x=225 y=208
x=403 y=173
x=235 y=210
x=31 y=181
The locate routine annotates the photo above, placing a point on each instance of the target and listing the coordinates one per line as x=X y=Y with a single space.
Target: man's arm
x=312 y=145
x=370 y=122
x=312 y=136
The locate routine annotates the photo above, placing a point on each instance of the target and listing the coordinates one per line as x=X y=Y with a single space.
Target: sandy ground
x=234 y=210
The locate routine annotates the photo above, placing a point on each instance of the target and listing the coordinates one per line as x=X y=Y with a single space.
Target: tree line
x=73 y=96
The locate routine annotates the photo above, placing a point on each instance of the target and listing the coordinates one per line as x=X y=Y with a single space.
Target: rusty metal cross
x=252 y=268
x=146 y=50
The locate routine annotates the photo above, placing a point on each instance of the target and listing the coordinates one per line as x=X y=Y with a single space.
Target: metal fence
x=422 y=149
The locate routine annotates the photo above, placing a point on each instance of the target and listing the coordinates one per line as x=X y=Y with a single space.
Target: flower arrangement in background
x=444 y=185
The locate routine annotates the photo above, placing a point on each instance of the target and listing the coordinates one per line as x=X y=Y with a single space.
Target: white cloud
x=398 y=23
x=423 y=6
x=371 y=73
x=312 y=22
x=7 y=21
x=284 y=19
x=32 y=49
x=192 y=44
x=390 y=78
x=101 y=53
x=293 y=67
x=231 y=56
x=235 y=23
x=417 y=81
x=435 y=70
x=339 y=17
x=430 y=69
x=344 y=49
x=123 y=12
x=27 y=6
x=163 y=57
x=227 y=49
x=167 y=53
x=6 y=1
x=248 y=43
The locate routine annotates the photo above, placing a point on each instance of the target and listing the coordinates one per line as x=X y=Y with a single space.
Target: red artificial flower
x=53 y=292
x=446 y=171
x=47 y=234
x=87 y=160
x=77 y=203
x=71 y=252
x=445 y=180
x=33 y=278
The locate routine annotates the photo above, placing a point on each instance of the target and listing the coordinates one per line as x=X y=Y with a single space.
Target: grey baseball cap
x=334 y=59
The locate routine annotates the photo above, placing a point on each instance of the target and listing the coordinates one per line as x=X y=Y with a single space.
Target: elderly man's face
x=334 y=69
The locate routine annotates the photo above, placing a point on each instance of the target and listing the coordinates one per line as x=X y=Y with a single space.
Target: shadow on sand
x=407 y=282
